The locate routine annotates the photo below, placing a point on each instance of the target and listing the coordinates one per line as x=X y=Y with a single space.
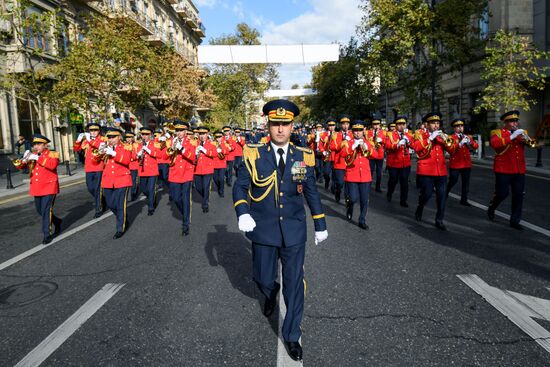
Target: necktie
x=281 y=160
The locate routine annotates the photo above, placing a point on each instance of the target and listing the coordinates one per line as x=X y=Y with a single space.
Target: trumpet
x=19 y=162
x=220 y=154
x=531 y=143
x=173 y=152
x=449 y=141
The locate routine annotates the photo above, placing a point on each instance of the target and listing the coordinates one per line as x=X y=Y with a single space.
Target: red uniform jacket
x=134 y=162
x=239 y=146
x=336 y=147
x=160 y=156
x=509 y=154
x=221 y=162
x=116 y=173
x=150 y=165
x=431 y=154
x=325 y=146
x=231 y=145
x=90 y=164
x=184 y=164
x=205 y=161
x=43 y=177
x=358 y=165
x=378 y=153
x=397 y=157
x=460 y=156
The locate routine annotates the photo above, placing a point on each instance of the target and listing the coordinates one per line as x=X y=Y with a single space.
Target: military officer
x=204 y=166
x=339 y=167
x=130 y=139
x=398 y=160
x=230 y=156
x=358 y=178
x=148 y=172
x=460 y=162
x=328 y=155
x=180 y=176
x=44 y=184
x=220 y=161
x=117 y=179
x=378 y=137
x=279 y=177
x=431 y=171
x=89 y=142
x=509 y=166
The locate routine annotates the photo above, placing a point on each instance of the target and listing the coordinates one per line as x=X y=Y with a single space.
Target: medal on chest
x=298 y=172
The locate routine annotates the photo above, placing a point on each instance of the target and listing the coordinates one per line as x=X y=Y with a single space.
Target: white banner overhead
x=268 y=54
x=289 y=92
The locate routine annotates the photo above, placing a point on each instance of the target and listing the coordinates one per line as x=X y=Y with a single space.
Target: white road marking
x=66 y=329
x=526 y=174
x=62 y=236
x=518 y=308
x=498 y=213
x=283 y=359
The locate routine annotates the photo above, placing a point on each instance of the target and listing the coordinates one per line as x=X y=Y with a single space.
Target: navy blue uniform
x=93 y=183
x=277 y=206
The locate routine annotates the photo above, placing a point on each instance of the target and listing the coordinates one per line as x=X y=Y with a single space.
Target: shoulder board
x=128 y=147
x=305 y=150
x=259 y=145
x=418 y=134
x=103 y=138
x=53 y=154
x=157 y=145
x=496 y=132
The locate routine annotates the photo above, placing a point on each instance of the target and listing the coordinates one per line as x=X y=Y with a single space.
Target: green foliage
x=345 y=86
x=510 y=69
x=237 y=85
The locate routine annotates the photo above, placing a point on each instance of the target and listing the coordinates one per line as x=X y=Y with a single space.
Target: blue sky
x=284 y=22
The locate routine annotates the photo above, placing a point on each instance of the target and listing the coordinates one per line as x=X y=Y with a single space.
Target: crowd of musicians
x=349 y=157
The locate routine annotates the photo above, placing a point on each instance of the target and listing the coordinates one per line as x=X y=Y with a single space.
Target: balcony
x=184 y=52
x=146 y=24
x=157 y=38
x=173 y=2
x=192 y=22
x=182 y=10
x=200 y=30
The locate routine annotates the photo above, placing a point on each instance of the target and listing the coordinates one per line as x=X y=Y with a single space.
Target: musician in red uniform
x=398 y=160
x=358 y=178
x=328 y=156
x=161 y=136
x=117 y=180
x=44 y=183
x=204 y=166
x=378 y=137
x=148 y=171
x=509 y=166
x=220 y=162
x=230 y=156
x=130 y=139
x=238 y=153
x=460 y=162
x=314 y=143
x=180 y=176
x=431 y=171
x=88 y=142
x=339 y=167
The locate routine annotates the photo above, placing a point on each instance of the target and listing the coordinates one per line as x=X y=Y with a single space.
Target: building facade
x=171 y=22
x=461 y=90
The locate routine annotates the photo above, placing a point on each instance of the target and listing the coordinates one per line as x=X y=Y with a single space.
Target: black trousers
x=426 y=186
x=464 y=173
x=503 y=183
x=44 y=207
x=401 y=176
x=376 y=171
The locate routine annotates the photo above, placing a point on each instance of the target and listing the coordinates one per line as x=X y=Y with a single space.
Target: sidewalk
x=530 y=159
x=20 y=180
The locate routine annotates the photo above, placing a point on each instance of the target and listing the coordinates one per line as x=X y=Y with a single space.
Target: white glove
x=378 y=139
x=356 y=144
x=88 y=136
x=434 y=135
x=320 y=236
x=516 y=133
x=146 y=149
x=179 y=145
x=247 y=223
x=348 y=138
x=401 y=142
x=167 y=135
x=26 y=154
x=110 y=151
x=464 y=140
x=80 y=137
x=202 y=149
x=239 y=139
x=325 y=153
x=33 y=157
x=162 y=138
x=219 y=150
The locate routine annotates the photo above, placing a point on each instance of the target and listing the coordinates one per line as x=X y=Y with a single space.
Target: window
x=35 y=38
x=63 y=41
x=484 y=24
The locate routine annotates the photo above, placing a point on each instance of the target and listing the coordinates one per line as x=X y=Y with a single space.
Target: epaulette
x=128 y=147
x=496 y=132
x=309 y=157
x=418 y=135
x=250 y=151
x=53 y=154
x=104 y=138
x=157 y=145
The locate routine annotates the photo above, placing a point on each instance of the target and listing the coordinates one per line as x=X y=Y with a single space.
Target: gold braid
x=250 y=155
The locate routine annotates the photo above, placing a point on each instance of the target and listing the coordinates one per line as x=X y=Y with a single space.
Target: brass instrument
x=220 y=154
x=326 y=158
x=375 y=138
x=170 y=126
x=531 y=143
x=402 y=136
x=449 y=141
x=172 y=152
x=18 y=162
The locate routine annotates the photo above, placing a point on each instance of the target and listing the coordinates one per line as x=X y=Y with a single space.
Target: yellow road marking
x=23 y=196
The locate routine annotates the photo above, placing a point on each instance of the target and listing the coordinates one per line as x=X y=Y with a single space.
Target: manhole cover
x=25 y=293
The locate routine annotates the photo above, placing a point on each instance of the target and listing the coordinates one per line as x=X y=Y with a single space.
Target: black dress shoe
x=491 y=213
x=118 y=235
x=221 y=195
x=47 y=240
x=404 y=204
x=516 y=226
x=57 y=225
x=388 y=197
x=465 y=203
x=440 y=226
x=294 y=350
x=150 y=212
x=98 y=214
x=363 y=226
x=185 y=232
x=269 y=306
x=418 y=213
x=205 y=210
x=349 y=212
x=337 y=196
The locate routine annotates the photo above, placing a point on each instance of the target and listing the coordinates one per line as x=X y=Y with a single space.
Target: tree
x=510 y=70
x=237 y=85
x=345 y=86
x=408 y=41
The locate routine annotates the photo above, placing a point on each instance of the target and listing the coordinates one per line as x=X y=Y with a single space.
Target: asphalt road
x=389 y=296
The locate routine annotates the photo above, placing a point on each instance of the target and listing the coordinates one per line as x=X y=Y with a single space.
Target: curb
x=23 y=190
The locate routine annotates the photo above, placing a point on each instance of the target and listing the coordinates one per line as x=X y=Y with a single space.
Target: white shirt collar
x=276 y=148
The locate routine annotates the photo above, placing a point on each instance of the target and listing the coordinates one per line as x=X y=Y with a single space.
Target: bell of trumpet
x=449 y=141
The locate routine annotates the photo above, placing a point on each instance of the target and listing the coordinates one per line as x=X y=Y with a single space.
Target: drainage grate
x=25 y=293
